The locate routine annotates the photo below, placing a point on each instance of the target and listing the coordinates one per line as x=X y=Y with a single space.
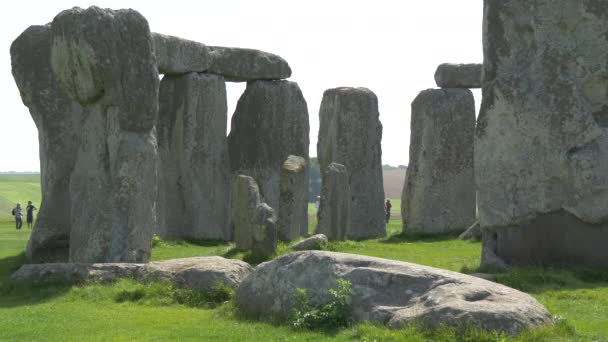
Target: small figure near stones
x=18 y=213
x=30 y=214
x=387 y=209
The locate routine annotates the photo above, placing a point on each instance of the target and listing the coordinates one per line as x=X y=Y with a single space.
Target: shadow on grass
x=422 y=237
x=14 y=294
x=539 y=279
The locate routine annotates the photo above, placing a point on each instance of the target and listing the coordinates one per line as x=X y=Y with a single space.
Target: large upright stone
x=57 y=118
x=194 y=157
x=439 y=189
x=541 y=153
x=254 y=222
x=243 y=65
x=104 y=60
x=269 y=124
x=293 y=213
x=450 y=75
x=176 y=55
x=350 y=133
x=334 y=210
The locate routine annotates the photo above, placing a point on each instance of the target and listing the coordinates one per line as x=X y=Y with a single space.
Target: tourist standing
x=387 y=209
x=30 y=214
x=17 y=212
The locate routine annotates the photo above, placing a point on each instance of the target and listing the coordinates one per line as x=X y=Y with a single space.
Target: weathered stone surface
x=334 y=210
x=57 y=118
x=541 y=153
x=104 y=59
x=269 y=124
x=198 y=273
x=312 y=243
x=194 y=157
x=450 y=75
x=439 y=189
x=264 y=237
x=254 y=222
x=350 y=133
x=390 y=292
x=293 y=206
x=243 y=65
x=176 y=55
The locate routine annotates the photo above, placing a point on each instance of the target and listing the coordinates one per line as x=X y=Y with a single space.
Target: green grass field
x=94 y=313
x=18 y=189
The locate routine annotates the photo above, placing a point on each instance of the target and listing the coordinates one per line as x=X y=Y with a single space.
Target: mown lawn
x=94 y=312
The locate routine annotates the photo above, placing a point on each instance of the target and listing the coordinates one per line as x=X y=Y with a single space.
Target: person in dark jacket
x=387 y=209
x=30 y=214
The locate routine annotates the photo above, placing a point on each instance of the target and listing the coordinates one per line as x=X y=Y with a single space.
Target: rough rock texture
x=334 y=210
x=198 y=273
x=542 y=139
x=242 y=65
x=293 y=207
x=350 y=133
x=104 y=59
x=269 y=124
x=450 y=75
x=390 y=292
x=312 y=243
x=439 y=189
x=254 y=222
x=176 y=55
x=194 y=157
x=57 y=118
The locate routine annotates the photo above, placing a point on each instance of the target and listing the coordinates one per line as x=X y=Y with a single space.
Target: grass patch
x=130 y=311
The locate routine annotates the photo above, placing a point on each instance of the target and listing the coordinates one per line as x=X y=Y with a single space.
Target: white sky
x=391 y=47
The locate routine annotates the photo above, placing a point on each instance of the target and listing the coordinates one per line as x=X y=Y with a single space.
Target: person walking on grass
x=30 y=214
x=387 y=209
x=17 y=212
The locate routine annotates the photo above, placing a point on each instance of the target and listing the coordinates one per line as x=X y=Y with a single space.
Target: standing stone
x=350 y=133
x=254 y=222
x=243 y=65
x=334 y=211
x=450 y=75
x=194 y=157
x=269 y=124
x=439 y=189
x=293 y=213
x=541 y=150
x=57 y=118
x=104 y=60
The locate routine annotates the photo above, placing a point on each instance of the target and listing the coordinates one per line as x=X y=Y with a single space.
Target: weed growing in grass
x=334 y=313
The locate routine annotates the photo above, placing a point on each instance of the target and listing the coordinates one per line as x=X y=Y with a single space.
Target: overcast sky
x=390 y=47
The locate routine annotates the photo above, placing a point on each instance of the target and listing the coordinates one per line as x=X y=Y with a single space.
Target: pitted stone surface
x=254 y=222
x=243 y=65
x=270 y=123
x=197 y=273
x=541 y=152
x=293 y=213
x=439 y=189
x=194 y=196
x=57 y=118
x=176 y=55
x=334 y=210
x=104 y=60
x=450 y=75
x=390 y=292
x=350 y=133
